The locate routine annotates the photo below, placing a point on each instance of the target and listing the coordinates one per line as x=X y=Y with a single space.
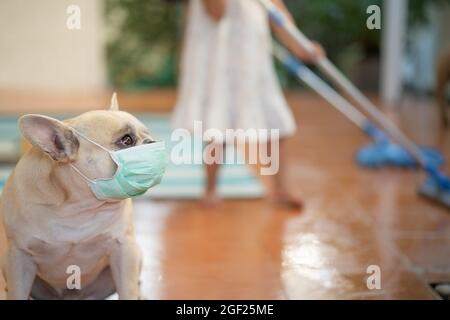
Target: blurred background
x=133 y=47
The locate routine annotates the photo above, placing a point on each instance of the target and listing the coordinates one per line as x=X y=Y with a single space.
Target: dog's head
x=113 y=129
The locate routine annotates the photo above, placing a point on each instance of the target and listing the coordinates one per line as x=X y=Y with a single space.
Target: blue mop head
x=385 y=153
x=436 y=186
x=389 y=154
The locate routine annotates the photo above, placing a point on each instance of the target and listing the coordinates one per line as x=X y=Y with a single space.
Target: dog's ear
x=50 y=135
x=114 y=103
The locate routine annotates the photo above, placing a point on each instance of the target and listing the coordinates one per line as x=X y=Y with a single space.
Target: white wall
x=38 y=51
x=393 y=40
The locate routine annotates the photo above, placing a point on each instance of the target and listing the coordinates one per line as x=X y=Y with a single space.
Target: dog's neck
x=60 y=186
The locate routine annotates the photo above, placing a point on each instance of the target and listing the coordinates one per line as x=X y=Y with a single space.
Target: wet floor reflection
x=231 y=252
x=328 y=249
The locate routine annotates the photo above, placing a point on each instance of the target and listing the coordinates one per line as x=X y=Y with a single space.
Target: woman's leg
x=210 y=197
x=283 y=194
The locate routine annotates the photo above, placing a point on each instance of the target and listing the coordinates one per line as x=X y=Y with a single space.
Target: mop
x=437 y=184
x=382 y=151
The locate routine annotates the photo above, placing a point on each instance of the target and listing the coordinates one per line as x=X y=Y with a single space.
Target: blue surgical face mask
x=138 y=169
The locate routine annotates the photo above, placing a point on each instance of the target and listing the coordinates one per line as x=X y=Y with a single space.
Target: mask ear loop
x=78 y=133
x=81 y=174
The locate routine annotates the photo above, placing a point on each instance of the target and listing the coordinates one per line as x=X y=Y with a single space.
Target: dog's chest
x=82 y=240
x=82 y=227
x=56 y=261
x=70 y=253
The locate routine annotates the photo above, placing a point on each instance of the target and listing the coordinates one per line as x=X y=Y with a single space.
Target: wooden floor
x=353 y=218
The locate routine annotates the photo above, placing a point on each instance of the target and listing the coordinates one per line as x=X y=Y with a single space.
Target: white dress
x=228 y=80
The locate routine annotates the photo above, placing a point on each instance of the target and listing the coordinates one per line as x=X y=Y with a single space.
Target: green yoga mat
x=183 y=181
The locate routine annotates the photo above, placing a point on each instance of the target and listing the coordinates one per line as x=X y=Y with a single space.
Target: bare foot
x=288 y=199
x=210 y=199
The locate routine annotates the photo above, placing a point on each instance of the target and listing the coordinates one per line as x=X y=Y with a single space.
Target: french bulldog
x=55 y=225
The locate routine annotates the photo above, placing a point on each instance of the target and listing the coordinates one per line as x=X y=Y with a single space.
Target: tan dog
x=53 y=220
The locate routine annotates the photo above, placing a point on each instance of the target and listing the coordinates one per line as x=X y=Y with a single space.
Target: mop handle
x=295 y=66
x=342 y=82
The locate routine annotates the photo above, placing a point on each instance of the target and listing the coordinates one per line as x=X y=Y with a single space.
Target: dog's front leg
x=20 y=274
x=125 y=267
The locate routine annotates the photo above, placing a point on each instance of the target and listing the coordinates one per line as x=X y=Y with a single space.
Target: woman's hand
x=215 y=9
x=317 y=53
x=290 y=43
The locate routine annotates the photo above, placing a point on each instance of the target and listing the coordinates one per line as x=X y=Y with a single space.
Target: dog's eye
x=127 y=140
